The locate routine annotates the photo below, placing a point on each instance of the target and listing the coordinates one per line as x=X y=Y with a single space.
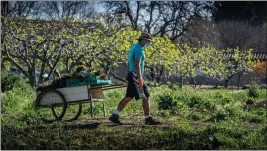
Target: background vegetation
x=45 y=40
x=192 y=119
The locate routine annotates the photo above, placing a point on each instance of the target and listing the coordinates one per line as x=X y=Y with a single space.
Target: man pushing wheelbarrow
x=135 y=84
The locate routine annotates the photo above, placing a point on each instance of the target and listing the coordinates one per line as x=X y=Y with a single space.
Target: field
x=192 y=119
x=204 y=62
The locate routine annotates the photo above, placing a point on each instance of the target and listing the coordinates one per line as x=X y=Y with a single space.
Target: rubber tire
x=57 y=117
x=76 y=115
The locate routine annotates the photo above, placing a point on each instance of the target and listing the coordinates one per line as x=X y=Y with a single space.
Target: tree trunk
x=217 y=84
x=226 y=83
x=158 y=79
x=195 y=82
x=34 y=82
x=160 y=75
x=32 y=78
x=33 y=69
x=152 y=74
x=202 y=81
x=238 y=81
x=181 y=82
x=67 y=65
x=4 y=8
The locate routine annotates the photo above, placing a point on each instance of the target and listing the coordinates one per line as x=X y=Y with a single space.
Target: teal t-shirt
x=136 y=52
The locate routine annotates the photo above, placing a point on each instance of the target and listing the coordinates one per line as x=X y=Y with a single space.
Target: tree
x=201 y=33
x=71 y=9
x=17 y=8
x=226 y=34
x=185 y=62
x=49 y=10
x=56 y=47
x=208 y=61
x=237 y=63
x=212 y=63
x=166 y=54
x=34 y=45
x=252 y=11
x=115 y=48
x=159 y=18
x=84 y=46
x=241 y=34
x=4 y=8
x=261 y=69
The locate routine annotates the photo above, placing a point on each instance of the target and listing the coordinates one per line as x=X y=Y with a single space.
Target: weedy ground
x=202 y=118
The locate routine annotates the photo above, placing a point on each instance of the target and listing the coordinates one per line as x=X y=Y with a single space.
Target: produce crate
x=90 y=80
x=97 y=93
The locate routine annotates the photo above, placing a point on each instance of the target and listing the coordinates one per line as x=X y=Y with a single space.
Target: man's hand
x=126 y=81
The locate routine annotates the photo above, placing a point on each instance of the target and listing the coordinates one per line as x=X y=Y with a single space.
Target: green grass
x=197 y=119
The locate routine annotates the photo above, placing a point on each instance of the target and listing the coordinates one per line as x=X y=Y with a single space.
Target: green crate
x=90 y=80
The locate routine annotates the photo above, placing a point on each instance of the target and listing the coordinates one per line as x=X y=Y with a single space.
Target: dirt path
x=93 y=123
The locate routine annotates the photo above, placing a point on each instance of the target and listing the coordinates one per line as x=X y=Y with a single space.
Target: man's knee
x=127 y=99
x=145 y=99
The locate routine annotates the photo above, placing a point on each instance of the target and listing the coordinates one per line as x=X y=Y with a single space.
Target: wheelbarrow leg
x=104 y=111
x=91 y=108
x=90 y=98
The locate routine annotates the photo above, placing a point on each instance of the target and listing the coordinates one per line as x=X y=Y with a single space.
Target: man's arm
x=138 y=71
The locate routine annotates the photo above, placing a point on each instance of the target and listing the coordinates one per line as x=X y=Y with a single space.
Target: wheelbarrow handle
x=110 y=86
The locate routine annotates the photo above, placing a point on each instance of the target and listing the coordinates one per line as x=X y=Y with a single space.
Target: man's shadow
x=90 y=126
x=96 y=124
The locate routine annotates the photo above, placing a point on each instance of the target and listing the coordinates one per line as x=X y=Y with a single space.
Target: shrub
x=253 y=91
x=200 y=102
x=8 y=81
x=224 y=98
x=19 y=103
x=181 y=106
x=232 y=108
x=260 y=112
x=182 y=97
x=165 y=113
x=167 y=101
x=219 y=114
x=196 y=116
x=250 y=100
x=196 y=101
x=256 y=119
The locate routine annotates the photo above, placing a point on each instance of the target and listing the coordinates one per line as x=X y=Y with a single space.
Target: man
x=135 y=85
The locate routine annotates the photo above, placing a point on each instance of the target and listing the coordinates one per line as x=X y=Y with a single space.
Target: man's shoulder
x=136 y=47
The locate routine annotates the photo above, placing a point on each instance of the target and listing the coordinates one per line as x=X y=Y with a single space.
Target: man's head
x=144 y=39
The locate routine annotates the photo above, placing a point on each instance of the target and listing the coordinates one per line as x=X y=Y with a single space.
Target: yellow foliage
x=260 y=68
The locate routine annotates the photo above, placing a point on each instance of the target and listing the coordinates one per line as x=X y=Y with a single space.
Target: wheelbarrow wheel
x=50 y=105
x=73 y=112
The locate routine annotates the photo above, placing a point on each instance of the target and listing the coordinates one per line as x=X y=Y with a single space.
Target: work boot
x=151 y=121
x=115 y=119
